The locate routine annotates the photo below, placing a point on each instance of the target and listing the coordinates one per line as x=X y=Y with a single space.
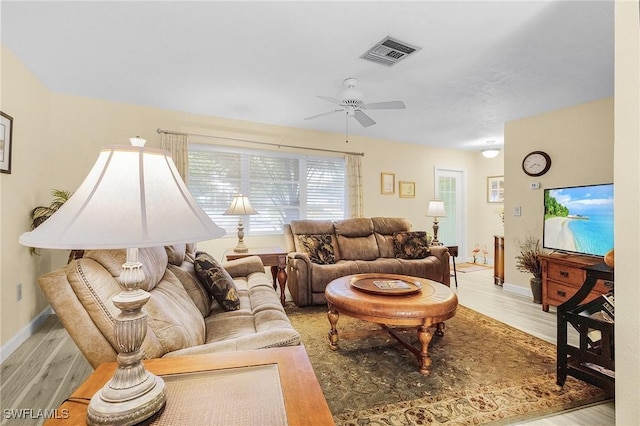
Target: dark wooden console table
x=498 y=259
x=593 y=361
x=453 y=252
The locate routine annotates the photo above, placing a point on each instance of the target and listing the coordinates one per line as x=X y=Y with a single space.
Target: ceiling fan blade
x=363 y=118
x=330 y=99
x=385 y=105
x=324 y=113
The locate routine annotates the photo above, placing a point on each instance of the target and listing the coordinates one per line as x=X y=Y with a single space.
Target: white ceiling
x=481 y=63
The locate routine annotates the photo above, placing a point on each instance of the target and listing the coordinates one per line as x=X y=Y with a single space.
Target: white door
x=450 y=189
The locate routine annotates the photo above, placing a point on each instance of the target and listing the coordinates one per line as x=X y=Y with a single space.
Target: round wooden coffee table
x=397 y=300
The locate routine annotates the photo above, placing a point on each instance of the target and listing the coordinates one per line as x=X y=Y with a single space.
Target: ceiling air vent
x=389 y=51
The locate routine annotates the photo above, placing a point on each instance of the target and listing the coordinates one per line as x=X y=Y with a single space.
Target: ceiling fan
x=351 y=100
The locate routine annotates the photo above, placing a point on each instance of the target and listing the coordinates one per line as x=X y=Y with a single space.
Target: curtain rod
x=279 y=145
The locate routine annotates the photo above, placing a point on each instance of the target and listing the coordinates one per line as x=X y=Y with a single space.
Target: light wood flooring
x=44 y=370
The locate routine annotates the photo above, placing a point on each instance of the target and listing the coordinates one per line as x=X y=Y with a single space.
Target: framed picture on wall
x=387 y=183
x=407 y=189
x=6 y=130
x=495 y=189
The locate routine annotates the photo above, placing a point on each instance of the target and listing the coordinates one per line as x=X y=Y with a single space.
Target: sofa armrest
x=74 y=317
x=299 y=278
x=442 y=253
x=244 y=266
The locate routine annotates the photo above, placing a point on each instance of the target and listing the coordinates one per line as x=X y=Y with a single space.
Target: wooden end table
x=303 y=398
x=430 y=306
x=453 y=251
x=274 y=257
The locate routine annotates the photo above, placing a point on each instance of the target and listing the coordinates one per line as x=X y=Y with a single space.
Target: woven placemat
x=234 y=396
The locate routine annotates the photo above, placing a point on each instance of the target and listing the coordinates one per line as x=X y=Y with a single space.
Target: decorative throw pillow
x=411 y=245
x=217 y=281
x=319 y=248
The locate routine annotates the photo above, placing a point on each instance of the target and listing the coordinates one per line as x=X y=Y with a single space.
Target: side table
x=299 y=389
x=498 y=260
x=453 y=251
x=275 y=257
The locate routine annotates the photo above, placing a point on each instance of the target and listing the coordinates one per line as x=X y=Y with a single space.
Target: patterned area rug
x=483 y=372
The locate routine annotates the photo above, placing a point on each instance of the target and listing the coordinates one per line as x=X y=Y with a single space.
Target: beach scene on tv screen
x=579 y=219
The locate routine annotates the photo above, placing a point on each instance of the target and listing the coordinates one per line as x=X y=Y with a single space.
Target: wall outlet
x=19 y=292
x=534 y=185
x=517 y=211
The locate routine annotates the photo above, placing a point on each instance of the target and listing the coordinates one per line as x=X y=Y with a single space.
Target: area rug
x=472 y=267
x=483 y=372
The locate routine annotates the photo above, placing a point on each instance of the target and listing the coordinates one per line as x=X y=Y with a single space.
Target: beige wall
x=28 y=102
x=580 y=142
x=627 y=212
x=58 y=138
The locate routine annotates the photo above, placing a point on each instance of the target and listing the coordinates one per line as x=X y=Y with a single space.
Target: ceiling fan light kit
x=351 y=100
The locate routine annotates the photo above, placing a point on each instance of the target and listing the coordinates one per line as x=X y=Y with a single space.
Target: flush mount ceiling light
x=491 y=151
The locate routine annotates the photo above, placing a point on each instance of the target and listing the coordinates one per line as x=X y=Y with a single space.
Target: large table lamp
x=240 y=206
x=436 y=210
x=133 y=197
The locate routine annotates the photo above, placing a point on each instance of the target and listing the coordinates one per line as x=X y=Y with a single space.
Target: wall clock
x=536 y=163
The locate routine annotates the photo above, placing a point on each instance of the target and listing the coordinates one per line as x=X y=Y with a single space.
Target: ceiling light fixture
x=491 y=151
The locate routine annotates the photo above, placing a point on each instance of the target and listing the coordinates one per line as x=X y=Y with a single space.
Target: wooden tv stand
x=563 y=275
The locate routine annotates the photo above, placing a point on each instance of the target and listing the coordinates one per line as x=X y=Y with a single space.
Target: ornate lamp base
x=102 y=411
x=133 y=394
x=435 y=241
x=241 y=248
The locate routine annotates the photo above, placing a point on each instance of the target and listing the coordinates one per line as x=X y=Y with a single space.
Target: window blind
x=281 y=187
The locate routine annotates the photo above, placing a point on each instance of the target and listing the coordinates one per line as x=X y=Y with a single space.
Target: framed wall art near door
x=407 y=189
x=495 y=189
x=6 y=128
x=387 y=183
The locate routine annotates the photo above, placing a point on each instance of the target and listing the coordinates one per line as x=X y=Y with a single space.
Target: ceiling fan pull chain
x=346 y=119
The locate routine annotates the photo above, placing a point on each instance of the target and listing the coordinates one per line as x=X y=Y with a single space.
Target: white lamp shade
x=240 y=205
x=436 y=208
x=132 y=197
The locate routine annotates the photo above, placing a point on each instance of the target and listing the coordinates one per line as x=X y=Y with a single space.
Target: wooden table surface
x=431 y=305
x=303 y=398
x=434 y=303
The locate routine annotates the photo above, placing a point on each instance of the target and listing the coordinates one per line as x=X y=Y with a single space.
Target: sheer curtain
x=354 y=184
x=176 y=144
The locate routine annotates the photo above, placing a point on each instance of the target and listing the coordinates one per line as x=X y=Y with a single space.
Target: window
x=281 y=187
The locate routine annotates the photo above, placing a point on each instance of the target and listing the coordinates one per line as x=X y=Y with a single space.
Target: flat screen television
x=579 y=219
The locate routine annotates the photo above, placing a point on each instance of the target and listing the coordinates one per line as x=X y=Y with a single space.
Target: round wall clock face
x=536 y=163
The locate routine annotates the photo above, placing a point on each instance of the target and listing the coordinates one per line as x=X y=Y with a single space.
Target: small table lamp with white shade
x=133 y=197
x=240 y=206
x=435 y=209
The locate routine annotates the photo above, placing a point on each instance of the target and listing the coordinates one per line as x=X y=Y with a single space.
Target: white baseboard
x=13 y=343
x=512 y=288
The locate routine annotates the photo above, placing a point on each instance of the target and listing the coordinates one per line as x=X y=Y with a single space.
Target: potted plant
x=41 y=213
x=528 y=260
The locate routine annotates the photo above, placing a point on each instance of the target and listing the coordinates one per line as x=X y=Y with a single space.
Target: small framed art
x=407 y=189
x=6 y=130
x=387 y=183
x=495 y=189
